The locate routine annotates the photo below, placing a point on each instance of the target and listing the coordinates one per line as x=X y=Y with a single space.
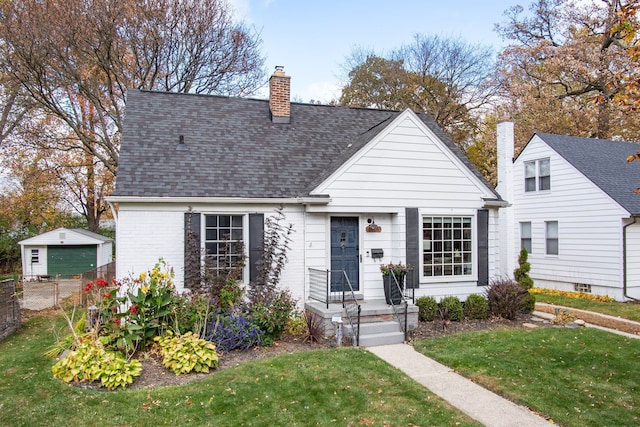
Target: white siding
x=405 y=166
x=147 y=232
x=31 y=271
x=633 y=261
x=589 y=225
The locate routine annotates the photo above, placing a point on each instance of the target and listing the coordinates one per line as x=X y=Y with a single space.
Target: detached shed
x=63 y=251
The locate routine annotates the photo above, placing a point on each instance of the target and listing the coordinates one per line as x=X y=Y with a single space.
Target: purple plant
x=231 y=330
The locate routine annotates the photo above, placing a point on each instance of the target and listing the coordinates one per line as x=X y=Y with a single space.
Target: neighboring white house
x=64 y=252
x=574 y=209
x=361 y=188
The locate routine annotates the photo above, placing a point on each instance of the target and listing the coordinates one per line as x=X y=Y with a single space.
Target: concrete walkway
x=475 y=401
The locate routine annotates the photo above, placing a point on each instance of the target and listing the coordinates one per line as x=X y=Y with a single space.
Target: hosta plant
x=91 y=362
x=186 y=353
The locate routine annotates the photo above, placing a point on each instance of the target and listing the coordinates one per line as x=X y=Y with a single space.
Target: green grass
x=578 y=377
x=626 y=310
x=325 y=387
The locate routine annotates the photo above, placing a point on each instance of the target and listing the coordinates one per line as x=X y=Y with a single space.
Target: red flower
x=117 y=321
x=106 y=296
x=88 y=287
x=101 y=282
x=114 y=282
x=133 y=309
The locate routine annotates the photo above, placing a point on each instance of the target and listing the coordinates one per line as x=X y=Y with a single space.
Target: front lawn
x=626 y=310
x=325 y=387
x=577 y=377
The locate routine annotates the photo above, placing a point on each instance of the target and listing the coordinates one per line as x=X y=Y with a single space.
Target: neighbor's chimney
x=509 y=251
x=280 y=96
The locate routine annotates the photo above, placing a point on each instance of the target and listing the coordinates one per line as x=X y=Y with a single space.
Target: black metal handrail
x=320 y=290
x=353 y=309
x=403 y=300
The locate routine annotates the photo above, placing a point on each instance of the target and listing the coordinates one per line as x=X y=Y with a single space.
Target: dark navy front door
x=345 y=251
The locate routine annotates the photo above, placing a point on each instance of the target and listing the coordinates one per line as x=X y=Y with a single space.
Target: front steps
x=380 y=333
x=378 y=324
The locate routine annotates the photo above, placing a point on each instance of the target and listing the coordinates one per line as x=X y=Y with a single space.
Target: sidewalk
x=475 y=401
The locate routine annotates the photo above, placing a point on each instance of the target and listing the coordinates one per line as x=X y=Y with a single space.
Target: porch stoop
x=378 y=324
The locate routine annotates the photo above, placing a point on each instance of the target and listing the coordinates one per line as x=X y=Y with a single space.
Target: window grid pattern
x=35 y=256
x=525 y=236
x=447 y=246
x=551 y=237
x=223 y=242
x=537 y=175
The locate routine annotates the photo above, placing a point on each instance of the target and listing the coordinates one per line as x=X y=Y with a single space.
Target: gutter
x=496 y=203
x=311 y=200
x=624 y=258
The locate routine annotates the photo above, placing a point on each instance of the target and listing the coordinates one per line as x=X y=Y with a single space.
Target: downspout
x=624 y=258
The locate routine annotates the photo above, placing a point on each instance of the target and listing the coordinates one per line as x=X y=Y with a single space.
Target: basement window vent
x=582 y=287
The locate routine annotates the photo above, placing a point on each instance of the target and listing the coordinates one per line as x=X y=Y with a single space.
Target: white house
x=574 y=209
x=361 y=187
x=64 y=252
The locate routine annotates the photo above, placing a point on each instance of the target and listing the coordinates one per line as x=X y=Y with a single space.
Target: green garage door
x=68 y=260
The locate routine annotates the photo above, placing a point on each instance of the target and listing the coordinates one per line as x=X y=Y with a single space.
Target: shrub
x=91 y=362
x=427 y=308
x=232 y=330
x=521 y=274
x=186 y=353
x=315 y=328
x=505 y=298
x=191 y=313
x=296 y=325
x=476 y=307
x=528 y=304
x=271 y=313
x=453 y=307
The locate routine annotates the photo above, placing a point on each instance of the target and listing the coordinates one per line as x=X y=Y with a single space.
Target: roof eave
x=305 y=200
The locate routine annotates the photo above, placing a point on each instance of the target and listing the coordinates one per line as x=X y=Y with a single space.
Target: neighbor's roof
x=604 y=162
x=53 y=237
x=232 y=149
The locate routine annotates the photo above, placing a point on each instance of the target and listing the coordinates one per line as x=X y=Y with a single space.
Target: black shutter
x=256 y=243
x=483 y=247
x=192 y=244
x=412 y=237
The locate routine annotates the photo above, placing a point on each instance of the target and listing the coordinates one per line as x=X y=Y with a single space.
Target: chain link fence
x=10 y=315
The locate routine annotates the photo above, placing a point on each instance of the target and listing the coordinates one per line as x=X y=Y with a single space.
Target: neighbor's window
x=35 y=256
x=552 y=237
x=537 y=175
x=525 y=236
x=447 y=243
x=223 y=241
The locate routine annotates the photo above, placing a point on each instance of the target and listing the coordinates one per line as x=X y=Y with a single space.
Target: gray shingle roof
x=232 y=149
x=604 y=162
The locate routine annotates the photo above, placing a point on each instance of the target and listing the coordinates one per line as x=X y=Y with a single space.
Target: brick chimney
x=280 y=96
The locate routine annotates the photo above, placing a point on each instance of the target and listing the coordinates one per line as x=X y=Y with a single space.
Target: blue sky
x=312 y=38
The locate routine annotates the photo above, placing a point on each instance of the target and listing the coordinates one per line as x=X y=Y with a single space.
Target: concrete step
x=385 y=338
x=379 y=333
x=378 y=328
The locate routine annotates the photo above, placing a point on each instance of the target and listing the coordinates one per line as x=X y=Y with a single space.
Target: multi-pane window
x=525 y=236
x=537 y=175
x=447 y=246
x=35 y=256
x=223 y=241
x=551 y=237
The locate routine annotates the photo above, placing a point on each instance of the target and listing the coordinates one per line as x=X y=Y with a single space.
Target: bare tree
x=75 y=59
x=444 y=77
